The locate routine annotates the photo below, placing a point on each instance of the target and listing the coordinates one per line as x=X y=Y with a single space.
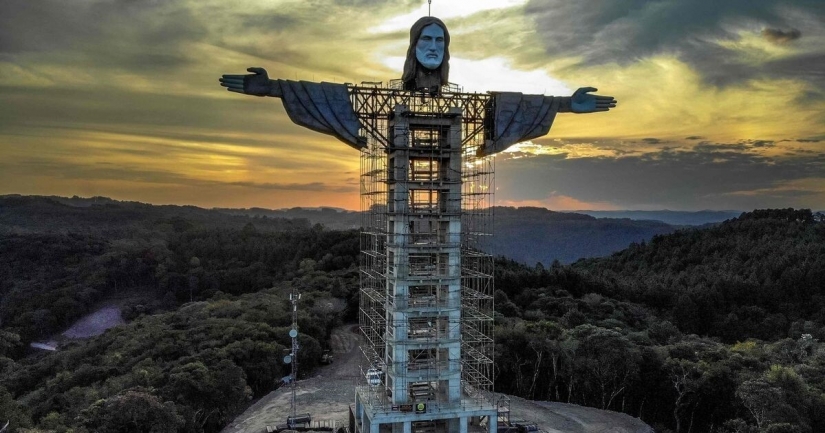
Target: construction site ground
x=328 y=394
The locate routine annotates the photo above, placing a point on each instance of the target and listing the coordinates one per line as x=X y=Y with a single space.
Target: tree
x=687 y=375
x=9 y=343
x=608 y=360
x=11 y=411
x=133 y=411
x=783 y=427
x=212 y=394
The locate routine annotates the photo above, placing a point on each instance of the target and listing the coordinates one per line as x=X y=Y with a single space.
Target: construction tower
x=426 y=280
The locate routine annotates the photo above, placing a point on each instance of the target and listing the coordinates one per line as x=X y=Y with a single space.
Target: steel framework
x=426 y=270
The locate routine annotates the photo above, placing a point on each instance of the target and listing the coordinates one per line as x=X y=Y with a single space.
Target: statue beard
x=427 y=78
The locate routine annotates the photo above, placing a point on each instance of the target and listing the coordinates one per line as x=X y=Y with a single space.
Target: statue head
x=429 y=50
x=428 y=53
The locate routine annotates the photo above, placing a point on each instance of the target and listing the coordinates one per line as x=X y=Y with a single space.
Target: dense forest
x=703 y=330
x=207 y=302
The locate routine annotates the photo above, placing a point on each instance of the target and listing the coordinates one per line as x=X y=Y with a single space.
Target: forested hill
x=759 y=275
x=704 y=330
x=526 y=234
x=205 y=296
x=677 y=218
x=717 y=329
x=101 y=215
x=536 y=235
x=331 y=218
x=59 y=257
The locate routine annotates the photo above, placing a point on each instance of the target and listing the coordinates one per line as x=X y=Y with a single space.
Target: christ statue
x=426 y=306
x=326 y=107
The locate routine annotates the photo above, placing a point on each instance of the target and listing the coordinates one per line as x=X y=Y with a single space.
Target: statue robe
x=321 y=107
x=327 y=108
x=515 y=117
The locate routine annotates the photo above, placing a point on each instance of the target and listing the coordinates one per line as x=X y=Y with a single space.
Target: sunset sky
x=721 y=103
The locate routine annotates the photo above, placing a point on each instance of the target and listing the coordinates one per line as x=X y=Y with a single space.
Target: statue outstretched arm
x=514 y=117
x=321 y=107
x=583 y=102
x=257 y=83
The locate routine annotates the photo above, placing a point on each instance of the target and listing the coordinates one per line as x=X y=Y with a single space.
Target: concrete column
x=374 y=427
x=462 y=424
x=407 y=427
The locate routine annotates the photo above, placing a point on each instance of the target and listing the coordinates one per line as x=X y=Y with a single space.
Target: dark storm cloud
x=119 y=33
x=742 y=145
x=810 y=67
x=618 y=151
x=145 y=111
x=712 y=175
x=261 y=34
x=705 y=147
x=607 y=31
x=270 y=21
x=39 y=26
x=779 y=36
x=762 y=143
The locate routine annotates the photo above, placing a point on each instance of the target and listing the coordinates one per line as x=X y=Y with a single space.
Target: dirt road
x=555 y=417
x=327 y=396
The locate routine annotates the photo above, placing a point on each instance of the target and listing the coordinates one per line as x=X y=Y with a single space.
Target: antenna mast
x=293 y=298
x=430 y=7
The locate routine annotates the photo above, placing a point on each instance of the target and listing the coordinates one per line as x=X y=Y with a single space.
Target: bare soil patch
x=327 y=396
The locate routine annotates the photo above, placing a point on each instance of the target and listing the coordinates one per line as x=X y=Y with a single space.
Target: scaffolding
x=426 y=305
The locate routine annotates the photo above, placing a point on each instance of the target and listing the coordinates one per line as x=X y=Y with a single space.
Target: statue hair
x=411 y=65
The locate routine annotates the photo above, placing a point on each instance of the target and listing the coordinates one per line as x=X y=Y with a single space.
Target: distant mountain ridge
x=536 y=235
x=528 y=234
x=331 y=218
x=676 y=218
x=338 y=219
x=20 y=213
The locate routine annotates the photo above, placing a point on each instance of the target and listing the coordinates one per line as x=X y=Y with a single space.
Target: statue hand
x=257 y=83
x=583 y=102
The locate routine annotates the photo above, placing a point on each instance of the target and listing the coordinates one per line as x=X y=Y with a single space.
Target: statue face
x=429 y=50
